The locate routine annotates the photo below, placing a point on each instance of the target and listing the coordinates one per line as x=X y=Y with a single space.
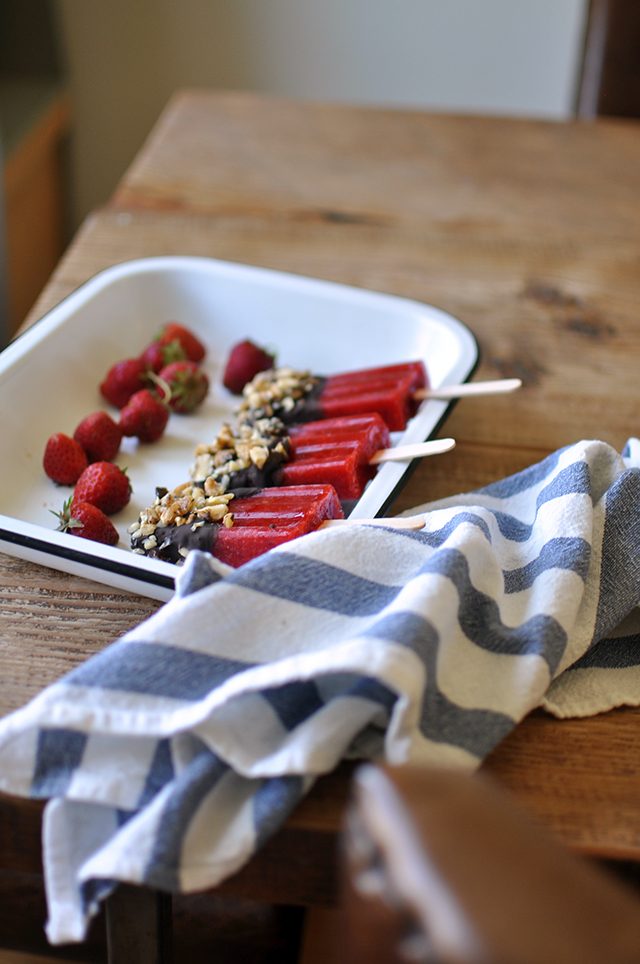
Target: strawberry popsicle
x=336 y=451
x=233 y=527
x=298 y=396
x=332 y=451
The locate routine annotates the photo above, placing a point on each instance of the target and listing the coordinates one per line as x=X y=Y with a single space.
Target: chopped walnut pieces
x=273 y=391
x=250 y=446
x=259 y=455
x=187 y=504
x=210 y=486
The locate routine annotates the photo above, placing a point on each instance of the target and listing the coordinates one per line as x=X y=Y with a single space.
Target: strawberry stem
x=65 y=520
x=164 y=387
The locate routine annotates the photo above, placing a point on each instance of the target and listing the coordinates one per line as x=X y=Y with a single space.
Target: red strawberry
x=245 y=360
x=105 y=485
x=144 y=416
x=64 y=459
x=156 y=356
x=122 y=380
x=192 y=347
x=87 y=521
x=188 y=384
x=99 y=436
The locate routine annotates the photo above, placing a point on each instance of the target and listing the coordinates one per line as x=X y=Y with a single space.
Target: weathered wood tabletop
x=527 y=231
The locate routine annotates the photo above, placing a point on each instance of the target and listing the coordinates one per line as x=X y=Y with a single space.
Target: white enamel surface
x=49 y=380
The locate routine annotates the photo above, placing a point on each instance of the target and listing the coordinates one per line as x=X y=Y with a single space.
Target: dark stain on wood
x=333 y=216
x=527 y=368
x=569 y=311
x=548 y=294
x=589 y=324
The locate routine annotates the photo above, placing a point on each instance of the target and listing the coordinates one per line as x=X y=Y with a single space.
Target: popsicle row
x=302 y=444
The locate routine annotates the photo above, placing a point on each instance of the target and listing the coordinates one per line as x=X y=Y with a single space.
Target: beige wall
x=126 y=57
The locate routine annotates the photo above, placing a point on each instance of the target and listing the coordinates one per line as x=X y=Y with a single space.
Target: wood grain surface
x=527 y=231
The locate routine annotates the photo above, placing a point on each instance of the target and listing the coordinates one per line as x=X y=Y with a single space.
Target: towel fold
x=172 y=755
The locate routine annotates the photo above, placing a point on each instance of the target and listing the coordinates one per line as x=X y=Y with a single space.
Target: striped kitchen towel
x=172 y=755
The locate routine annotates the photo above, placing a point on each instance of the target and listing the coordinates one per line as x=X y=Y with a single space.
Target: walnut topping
x=249 y=446
x=259 y=455
x=274 y=392
x=187 y=504
x=210 y=486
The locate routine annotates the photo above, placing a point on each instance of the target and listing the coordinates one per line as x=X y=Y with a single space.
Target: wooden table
x=528 y=231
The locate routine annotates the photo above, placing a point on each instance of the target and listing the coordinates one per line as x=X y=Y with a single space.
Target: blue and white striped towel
x=171 y=756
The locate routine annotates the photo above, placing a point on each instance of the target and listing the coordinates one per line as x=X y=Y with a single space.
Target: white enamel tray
x=49 y=380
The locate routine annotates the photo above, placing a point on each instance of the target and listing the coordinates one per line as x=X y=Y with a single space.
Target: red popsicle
x=337 y=451
x=233 y=529
x=273 y=516
x=295 y=396
x=388 y=391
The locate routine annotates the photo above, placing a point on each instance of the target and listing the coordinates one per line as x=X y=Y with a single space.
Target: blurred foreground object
x=442 y=867
x=609 y=82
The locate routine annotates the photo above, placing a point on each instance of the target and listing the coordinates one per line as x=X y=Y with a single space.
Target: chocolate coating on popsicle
x=172 y=543
x=191 y=507
x=247 y=456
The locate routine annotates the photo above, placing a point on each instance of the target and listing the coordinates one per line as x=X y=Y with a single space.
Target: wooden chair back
x=609 y=80
x=442 y=867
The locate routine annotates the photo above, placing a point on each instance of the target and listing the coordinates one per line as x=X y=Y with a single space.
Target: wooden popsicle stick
x=499 y=386
x=402 y=453
x=404 y=522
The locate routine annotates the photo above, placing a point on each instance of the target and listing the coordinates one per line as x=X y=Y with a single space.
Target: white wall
x=127 y=56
